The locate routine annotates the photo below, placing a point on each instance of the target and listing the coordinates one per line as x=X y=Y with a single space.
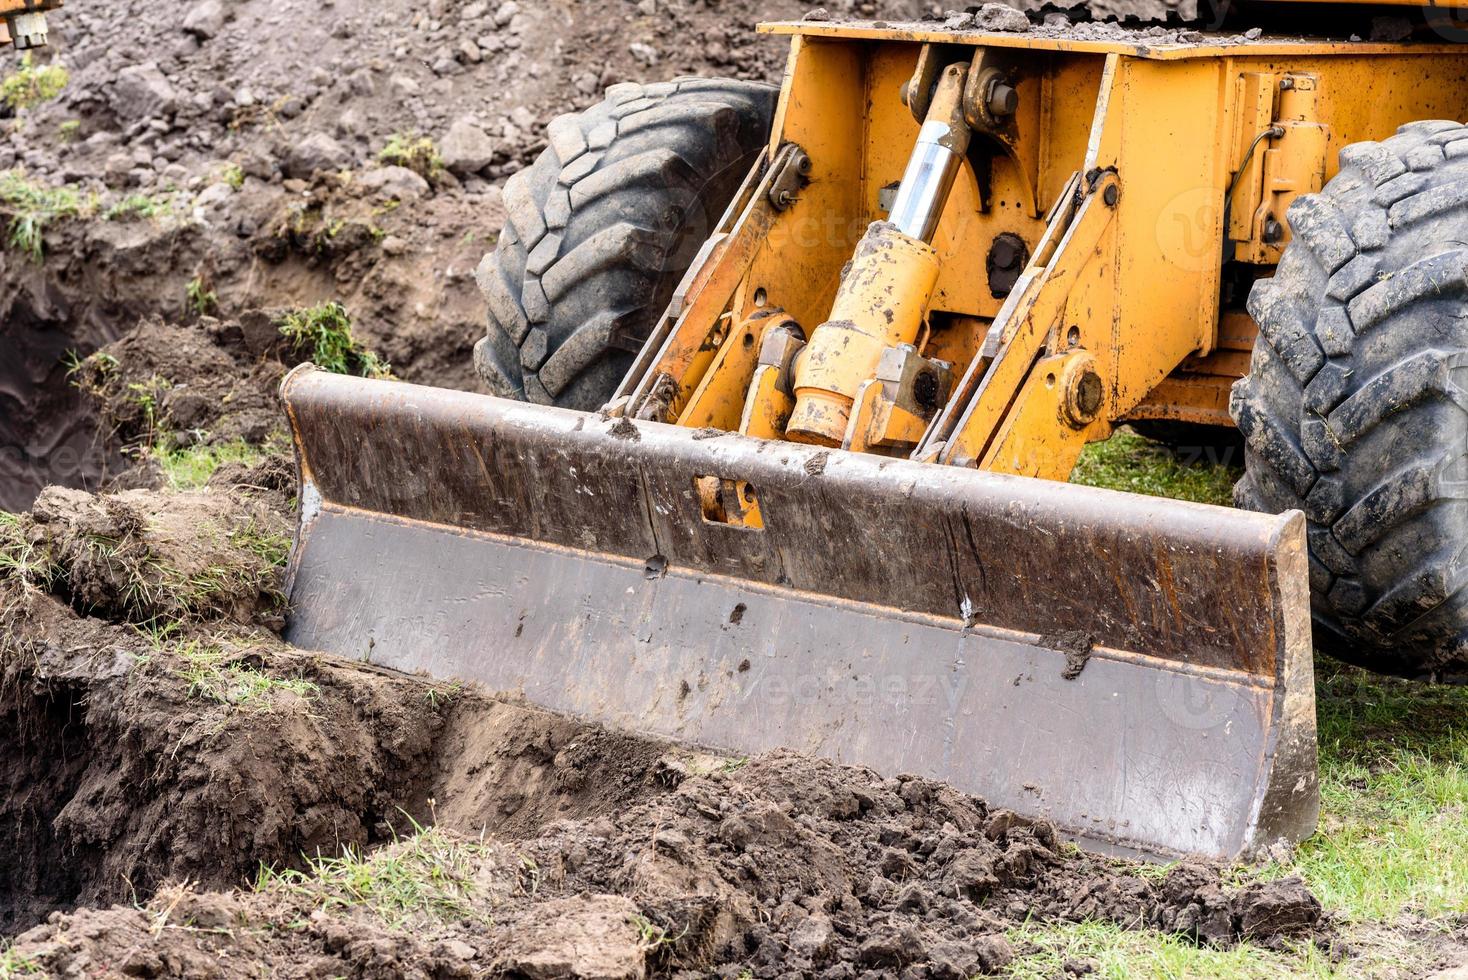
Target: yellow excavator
x=788 y=383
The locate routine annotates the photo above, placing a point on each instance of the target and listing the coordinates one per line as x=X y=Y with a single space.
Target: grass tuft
x=30 y=208
x=1120 y=954
x=31 y=85
x=431 y=876
x=13 y=963
x=1136 y=465
x=191 y=468
x=141 y=206
x=323 y=334
x=212 y=674
x=199 y=299
x=21 y=558
x=417 y=153
x=1394 y=783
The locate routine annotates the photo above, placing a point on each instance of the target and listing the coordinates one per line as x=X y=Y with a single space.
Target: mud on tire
x=1356 y=408
x=603 y=226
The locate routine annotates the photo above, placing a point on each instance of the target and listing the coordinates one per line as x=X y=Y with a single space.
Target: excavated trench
x=49 y=433
x=110 y=790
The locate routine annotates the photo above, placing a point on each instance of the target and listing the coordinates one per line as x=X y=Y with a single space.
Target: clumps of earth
x=186 y=794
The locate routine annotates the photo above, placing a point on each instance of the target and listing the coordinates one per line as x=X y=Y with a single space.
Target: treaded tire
x=1356 y=407
x=602 y=227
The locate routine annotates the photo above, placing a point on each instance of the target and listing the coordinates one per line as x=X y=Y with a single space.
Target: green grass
x=138 y=206
x=1394 y=784
x=213 y=675
x=1120 y=954
x=323 y=334
x=20 y=558
x=233 y=176
x=192 y=467
x=412 y=151
x=432 y=876
x=1393 y=837
x=29 y=208
x=30 y=86
x=148 y=396
x=269 y=547
x=199 y=299
x=1129 y=462
x=14 y=964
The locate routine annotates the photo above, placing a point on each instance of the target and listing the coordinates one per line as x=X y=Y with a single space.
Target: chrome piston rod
x=931 y=173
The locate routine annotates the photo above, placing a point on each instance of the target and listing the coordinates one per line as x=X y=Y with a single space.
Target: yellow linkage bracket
x=1032 y=408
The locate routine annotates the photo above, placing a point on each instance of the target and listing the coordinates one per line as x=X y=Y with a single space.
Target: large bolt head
x=1003 y=100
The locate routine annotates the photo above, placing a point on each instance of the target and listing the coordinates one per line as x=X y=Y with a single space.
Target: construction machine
x=788 y=384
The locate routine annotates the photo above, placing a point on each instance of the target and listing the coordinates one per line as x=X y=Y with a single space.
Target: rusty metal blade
x=898 y=615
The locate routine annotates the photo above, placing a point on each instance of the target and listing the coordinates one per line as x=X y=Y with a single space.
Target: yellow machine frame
x=1149 y=186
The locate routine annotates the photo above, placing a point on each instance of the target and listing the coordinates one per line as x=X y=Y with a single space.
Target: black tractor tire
x=603 y=226
x=1356 y=407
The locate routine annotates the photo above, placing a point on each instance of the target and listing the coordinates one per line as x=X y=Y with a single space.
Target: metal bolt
x=1273 y=231
x=1111 y=195
x=27 y=30
x=1003 y=100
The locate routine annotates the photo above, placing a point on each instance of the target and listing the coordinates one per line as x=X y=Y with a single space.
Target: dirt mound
x=160 y=732
x=156 y=726
x=213 y=382
x=781 y=866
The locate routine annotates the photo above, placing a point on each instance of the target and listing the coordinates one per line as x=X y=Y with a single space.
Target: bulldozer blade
x=1136 y=670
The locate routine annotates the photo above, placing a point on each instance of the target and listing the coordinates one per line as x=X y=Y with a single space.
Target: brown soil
x=580 y=852
x=167 y=745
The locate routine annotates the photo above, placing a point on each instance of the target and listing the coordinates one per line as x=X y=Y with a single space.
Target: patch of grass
x=16 y=964
x=31 y=85
x=233 y=176
x=1394 y=784
x=91 y=372
x=1128 y=462
x=323 y=334
x=191 y=468
x=138 y=206
x=271 y=548
x=417 y=153
x=69 y=130
x=432 y=876
x=30 y=208
x=214 y=676
x=20 y=558
x=199 y=299
x=1119 y=954
x=438 y=694
x=653 y=937
x=1393 y=837
x=148 y=397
